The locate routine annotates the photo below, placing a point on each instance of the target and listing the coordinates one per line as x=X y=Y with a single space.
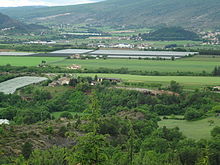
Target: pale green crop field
x=195 y=64
x=192 y=129
x=189 y=82
x=26 y=61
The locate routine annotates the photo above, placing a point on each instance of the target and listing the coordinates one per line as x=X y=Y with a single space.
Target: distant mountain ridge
x=7 y=22
x=16 y=26
x=188 y=13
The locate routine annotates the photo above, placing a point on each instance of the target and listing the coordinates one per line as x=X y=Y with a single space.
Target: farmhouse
x=101 y=79
x=61 y=81
x=216 y=88
x=74 y=67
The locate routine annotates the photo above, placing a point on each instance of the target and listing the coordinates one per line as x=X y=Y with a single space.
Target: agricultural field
x=26 y=61
x=195 y=64
x=192 y=129
x=56 y=115
x=189 y=82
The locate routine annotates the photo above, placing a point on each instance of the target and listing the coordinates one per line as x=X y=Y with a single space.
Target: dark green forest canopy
x=169 y=34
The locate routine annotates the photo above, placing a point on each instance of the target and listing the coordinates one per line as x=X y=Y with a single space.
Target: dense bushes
x=67 y=115
x=216 y=131
x=192 y=114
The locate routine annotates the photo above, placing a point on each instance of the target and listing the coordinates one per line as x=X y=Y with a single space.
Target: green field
x=192 y=64
x=26 y=61
x=57 y=114
x=192 y=129
x=189 y=82
x=195 y=64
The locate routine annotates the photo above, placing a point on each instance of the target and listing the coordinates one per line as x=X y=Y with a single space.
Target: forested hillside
x=188 y=13
x=170 y=33
x=9 y=24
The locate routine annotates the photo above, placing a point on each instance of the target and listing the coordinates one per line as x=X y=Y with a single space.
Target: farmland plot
x=10 y=86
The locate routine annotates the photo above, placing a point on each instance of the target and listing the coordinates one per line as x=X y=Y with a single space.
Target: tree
x=27 y=149
x=130 y=144
x=216 y=131
x=52 y=156
x=216 y=71
x=95 y=112
x=211 y=122
x=77 y=102
x=96 y=78
x=175 y=87
x=192 y=114
x=188 y=152
x=73 y=82
x=89 y=150
x=8 y=113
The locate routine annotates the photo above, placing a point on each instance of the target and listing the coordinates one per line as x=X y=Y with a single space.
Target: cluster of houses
x=60 y=82
x=66 y=81
x=216 y=88
x=74 y=67
x=211 y=37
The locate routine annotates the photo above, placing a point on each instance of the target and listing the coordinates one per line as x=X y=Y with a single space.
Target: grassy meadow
x=26 y=61
x=189 y=82
x=192 y=129
x=191 y=64
x=195 y=64
x=56 y=115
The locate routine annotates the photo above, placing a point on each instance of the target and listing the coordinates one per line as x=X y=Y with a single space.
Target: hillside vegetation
x=13 y=25
x=188 y=13
x=169 y=34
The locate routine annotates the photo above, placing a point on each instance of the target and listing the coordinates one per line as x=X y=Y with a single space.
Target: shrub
x=192 y=114
x=216 y=131
x=67 y=115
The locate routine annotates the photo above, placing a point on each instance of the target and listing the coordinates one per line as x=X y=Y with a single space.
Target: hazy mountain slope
x=8 y=23
x=187 y=13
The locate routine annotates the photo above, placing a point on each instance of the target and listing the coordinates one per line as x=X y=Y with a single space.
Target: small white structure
x=60 y=81
x=4 y=121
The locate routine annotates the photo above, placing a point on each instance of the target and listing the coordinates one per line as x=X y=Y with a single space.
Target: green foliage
x=67 y=115
x=216 y=71
x=90 y=149
x=52 y=156
x=77 y=101
x=170 y=33
x=30 y=116
x=192 y=114
x=27 y=149
x=8 y=113
x=62 y=131
x=216 y=109
x=175 y=87
x=188 y=152
x=216 y=131
x=40 y=95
